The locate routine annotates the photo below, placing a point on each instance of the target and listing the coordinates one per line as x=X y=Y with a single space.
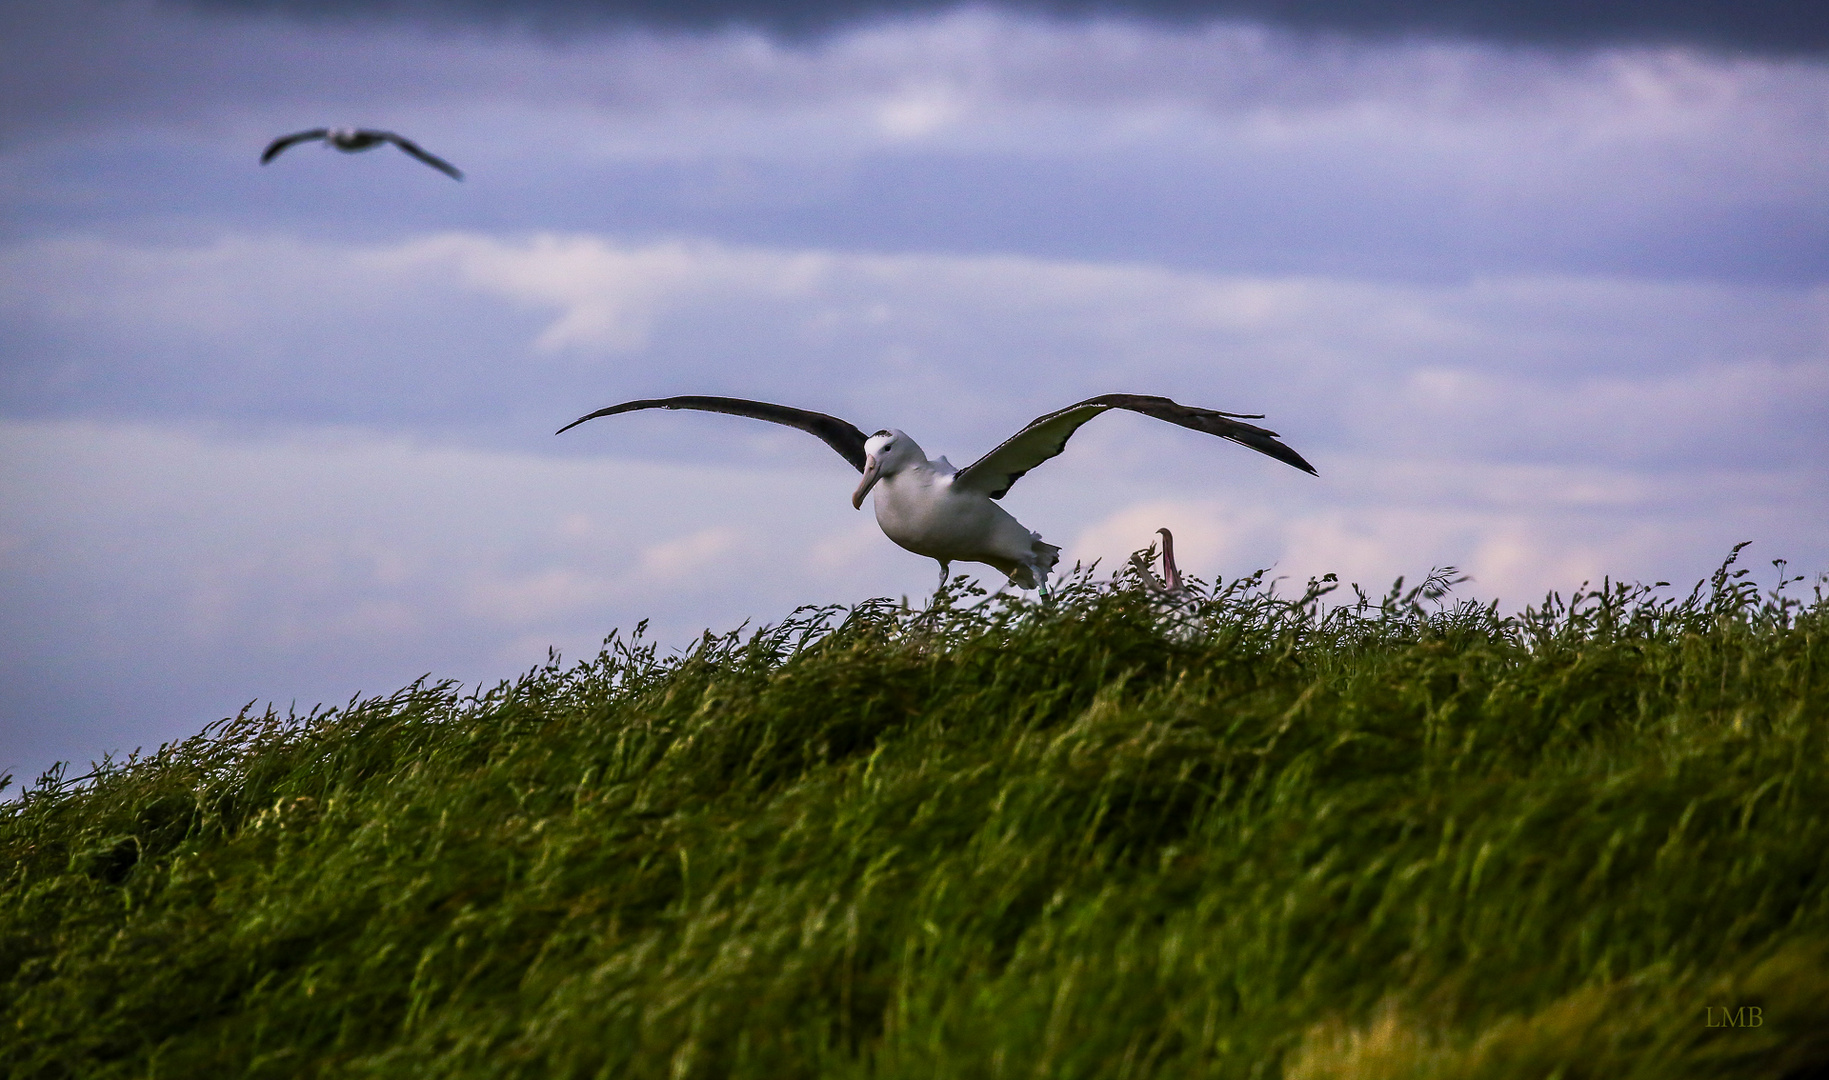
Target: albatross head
x=885 y=454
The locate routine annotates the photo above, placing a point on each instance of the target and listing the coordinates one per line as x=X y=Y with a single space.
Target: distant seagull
x=948 y=514
x=352 y=140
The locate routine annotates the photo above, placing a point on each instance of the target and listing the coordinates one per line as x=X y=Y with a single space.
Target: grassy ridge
x=1248 y=838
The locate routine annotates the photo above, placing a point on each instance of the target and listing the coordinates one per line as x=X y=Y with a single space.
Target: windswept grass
x=1251 y=837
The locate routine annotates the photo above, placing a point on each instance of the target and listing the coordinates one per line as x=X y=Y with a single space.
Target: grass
x=1256 y=836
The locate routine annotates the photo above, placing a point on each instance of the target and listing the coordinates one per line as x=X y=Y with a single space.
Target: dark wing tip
x=415 y=150
x=590 y=416
x=279 y=144
x=443 y=166
x=840 y=435
x=1226 y=425
x=1297 y=460
x=1266 y=442
x=634 y=406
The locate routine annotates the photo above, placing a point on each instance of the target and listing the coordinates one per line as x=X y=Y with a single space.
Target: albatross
x=1171 y=576
x=1170 y=585
x=353 y=140
x=951 y=515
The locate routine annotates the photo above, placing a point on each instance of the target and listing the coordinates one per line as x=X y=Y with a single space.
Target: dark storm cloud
x=1759 y=26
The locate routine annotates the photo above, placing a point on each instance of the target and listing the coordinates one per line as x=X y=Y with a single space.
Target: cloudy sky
x=1543 y=297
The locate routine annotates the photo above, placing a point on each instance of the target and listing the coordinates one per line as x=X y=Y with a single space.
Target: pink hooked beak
x=872 y=470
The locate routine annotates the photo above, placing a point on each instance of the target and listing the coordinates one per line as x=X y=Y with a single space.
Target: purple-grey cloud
x=1773 y=27
x=1226 y=150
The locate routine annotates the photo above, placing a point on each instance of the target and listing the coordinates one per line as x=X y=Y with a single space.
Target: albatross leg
x=1039 y=571
x=946 y=569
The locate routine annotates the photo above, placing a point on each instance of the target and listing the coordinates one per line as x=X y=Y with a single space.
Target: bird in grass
x=354 y=140
x=949 y=514
x=1171 y=576
x=1170 y=586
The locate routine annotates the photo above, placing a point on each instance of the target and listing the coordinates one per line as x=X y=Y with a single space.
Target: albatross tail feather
x=1033 y=574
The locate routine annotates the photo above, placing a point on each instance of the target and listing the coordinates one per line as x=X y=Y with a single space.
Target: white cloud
x=691 y=557
x=536 y=597
x=1518 y=531
x=920 y=110
x=609 y=295
x=1215 y=537
x=515 y=335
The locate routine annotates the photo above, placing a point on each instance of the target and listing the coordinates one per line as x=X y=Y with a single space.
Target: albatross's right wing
x=414 y=149
x=274 y=147
x=839 y=435
x=1047 y=436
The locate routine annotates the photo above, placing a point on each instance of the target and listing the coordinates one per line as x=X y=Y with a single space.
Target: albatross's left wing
x=1047 y=436
x=413 y=148
x=840 y=435
x=279 y=144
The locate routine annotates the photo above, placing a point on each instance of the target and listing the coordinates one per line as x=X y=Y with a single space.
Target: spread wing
x=836 y=433
x=1047 y=436
x=279 y=144
x=413 y=148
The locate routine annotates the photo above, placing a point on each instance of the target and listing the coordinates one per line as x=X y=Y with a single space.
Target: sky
x=1541 y=289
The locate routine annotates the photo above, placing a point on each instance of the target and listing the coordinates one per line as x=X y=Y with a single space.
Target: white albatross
x=951 y=515
x=354 y=140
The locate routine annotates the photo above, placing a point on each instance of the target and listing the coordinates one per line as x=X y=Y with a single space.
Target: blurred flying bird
x=948 y=514
x=352 y=140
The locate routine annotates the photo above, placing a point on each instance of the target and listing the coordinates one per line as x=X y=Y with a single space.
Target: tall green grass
x=1248 y=836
